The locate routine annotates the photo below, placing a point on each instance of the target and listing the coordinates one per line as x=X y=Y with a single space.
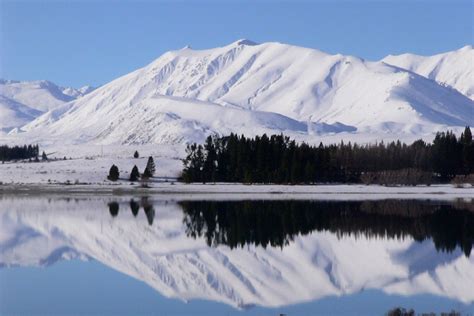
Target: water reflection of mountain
x=275 y=223
x=149 y=240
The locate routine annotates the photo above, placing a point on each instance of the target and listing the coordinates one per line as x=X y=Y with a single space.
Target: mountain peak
x=466 y=48
x=244 y=41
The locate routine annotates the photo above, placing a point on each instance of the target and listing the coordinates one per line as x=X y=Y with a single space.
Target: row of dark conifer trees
x=18 y=152
x=277 y=159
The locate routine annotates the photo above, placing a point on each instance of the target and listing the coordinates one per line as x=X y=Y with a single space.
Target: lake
x=126 y=255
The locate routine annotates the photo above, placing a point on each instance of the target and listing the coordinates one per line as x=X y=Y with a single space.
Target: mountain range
x=23 y=101
x=251 y=88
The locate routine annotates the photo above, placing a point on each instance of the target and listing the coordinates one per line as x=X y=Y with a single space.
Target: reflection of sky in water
x=77 y=287
x=370 y=271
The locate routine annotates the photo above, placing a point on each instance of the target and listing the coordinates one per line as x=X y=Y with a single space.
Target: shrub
x=459 y=180
x=397 y=177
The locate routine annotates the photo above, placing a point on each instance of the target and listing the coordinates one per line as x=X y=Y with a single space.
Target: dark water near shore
x=129 y=256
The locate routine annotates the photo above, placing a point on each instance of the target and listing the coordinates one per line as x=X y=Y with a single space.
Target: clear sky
x=73 y=43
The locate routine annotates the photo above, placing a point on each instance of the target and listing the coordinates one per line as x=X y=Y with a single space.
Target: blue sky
x=92 y=42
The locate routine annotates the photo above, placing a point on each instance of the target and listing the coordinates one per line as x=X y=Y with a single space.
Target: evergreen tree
x=150 y=167
x=136 y=155
x=44 y=157
x=467 y=151
x=114 y=173
x=135 y=174
x=276 y=159
x=466 y=136
x=18 y=152
x=210 y=162
x=146 y=175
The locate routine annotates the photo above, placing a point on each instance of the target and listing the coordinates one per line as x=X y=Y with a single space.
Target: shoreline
x=166 y=190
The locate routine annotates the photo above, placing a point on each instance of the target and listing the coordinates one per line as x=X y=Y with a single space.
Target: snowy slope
x=39 y=95
x=38 y=232
x=14 y=114
x=454 y=69
x=23 y=101
x=158 y=119
x=305 y=85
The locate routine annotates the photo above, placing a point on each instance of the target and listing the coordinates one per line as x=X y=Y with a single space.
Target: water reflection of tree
x=113 y=208
x=149 y=212
x=275 y=223
x=134 y=207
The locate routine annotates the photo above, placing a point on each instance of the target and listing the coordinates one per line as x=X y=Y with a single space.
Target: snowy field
x=90 y=164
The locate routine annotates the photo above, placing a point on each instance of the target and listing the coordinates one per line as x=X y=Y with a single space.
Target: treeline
x=277 y=159
x=8 y=153
x=275 y=223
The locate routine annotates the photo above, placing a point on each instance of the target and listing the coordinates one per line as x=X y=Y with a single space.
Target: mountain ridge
x=454 y=68
x=302 y=84
x=31 y=99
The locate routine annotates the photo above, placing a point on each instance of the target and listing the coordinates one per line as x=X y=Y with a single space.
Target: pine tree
x=466 y=136
x=209 y=168
x=135 y=174
x=114 y=173
x=467 y=151
x=136 y=155
x=150 y=167
x=44 y=157
x=146 y=174
x=278 y=160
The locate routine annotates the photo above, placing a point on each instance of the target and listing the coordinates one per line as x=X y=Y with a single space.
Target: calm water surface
x=129 y=256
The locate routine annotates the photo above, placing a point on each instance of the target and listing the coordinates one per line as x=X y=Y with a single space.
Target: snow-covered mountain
x=454 y=69
x=247 y=87
x=40 y=232
x=14 y=114
x=76 y=93
x=23 y=101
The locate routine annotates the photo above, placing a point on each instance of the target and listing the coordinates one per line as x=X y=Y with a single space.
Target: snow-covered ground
x=90 y=164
